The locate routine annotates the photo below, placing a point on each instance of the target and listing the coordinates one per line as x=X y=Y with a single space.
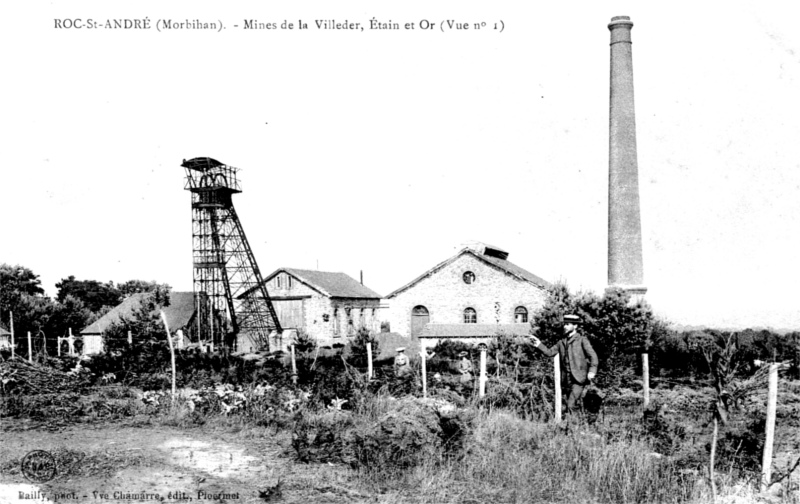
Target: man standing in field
x=577 y=357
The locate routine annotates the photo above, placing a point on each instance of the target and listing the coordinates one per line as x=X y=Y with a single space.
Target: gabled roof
x=3 y=331
x=178 y=313
x=503 y=264
x=473 y=330
x=329 y=284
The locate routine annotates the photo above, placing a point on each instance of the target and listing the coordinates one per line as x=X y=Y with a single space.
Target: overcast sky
x=383 y=151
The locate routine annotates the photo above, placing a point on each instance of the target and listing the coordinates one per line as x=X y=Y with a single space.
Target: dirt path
x=118 y=463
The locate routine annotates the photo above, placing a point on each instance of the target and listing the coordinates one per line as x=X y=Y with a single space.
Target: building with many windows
x=476 y=293
x=327 y=306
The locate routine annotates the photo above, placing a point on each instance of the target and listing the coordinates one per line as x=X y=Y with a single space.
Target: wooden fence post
x=30 y=349
x=59 y=339
x=646 y=379
x=772 y=401
x=482 y=381
x=424 y=360
x=71 y=343
x=130 y=338
x=369 y=360
x=13 y=343
x=171 y=352
x=294 y=367
x=557 y=381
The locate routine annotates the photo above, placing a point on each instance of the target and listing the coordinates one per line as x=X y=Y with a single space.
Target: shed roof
x=503 y=264
x=4 y=331
x=179 y=312
x=473 y=330
x=330 y=284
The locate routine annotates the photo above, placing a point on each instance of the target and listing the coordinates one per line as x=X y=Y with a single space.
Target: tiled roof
x=178 y=313
x=503 y=264
x=512 y=268
x=473 y=330
x=328 y=283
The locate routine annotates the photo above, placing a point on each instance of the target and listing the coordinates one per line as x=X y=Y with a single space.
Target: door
x=419 y=317
x=290 y=313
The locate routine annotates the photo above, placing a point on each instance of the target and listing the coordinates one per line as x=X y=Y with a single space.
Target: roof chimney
x=625 y=268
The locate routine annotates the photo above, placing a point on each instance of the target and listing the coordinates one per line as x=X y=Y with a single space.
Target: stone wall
x=326 y=319
x=494 y=295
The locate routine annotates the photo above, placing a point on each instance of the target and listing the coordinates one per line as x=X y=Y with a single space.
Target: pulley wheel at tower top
x=201 y=163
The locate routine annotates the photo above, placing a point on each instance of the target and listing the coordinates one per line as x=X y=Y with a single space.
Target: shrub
x=357 y=347
x=383 y=435
x=325 y=437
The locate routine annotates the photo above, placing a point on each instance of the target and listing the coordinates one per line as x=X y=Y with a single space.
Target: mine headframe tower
x=226 y=277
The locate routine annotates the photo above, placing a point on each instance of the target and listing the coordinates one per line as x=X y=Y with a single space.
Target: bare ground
x=199 y=464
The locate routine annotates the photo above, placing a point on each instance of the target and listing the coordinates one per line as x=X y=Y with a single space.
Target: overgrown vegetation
x=452 y=446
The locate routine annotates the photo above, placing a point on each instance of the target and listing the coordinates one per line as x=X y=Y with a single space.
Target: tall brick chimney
x=625 y=269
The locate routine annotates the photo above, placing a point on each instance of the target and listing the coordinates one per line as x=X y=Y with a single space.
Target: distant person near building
x=402 y=366
x=465 y=368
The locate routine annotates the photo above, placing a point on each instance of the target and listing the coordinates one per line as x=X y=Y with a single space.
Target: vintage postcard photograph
x=399 y=252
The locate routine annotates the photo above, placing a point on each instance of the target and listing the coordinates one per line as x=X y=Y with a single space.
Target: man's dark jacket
x=582 y=357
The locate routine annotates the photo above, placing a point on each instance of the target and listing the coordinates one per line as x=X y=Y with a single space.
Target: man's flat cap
x=401 y=349
x=462 y=354
x=572 y=319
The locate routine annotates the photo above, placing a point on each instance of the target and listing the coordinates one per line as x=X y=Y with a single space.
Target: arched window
x=468 y=277
x=521 y=315
x=419 y=310
x=470 y=316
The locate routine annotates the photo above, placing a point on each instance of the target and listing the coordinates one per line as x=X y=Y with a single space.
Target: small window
x=278 y=281
x=470 y=316
x=469 y=277
x=336 y=322
x=521 y=315
x=288 y=282
x=350 y=327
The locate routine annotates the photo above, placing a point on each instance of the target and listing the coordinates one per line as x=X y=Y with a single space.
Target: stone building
x=328 y=306
x=476 y=293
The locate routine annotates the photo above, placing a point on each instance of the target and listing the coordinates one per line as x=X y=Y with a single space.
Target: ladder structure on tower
x=231 y=300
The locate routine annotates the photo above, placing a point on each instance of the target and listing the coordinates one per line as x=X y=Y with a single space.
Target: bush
x=357 y=348
x=383 y=435
x=325 y=437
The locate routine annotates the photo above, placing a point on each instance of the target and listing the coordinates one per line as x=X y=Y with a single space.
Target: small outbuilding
x=5 y=338
x=179 y=312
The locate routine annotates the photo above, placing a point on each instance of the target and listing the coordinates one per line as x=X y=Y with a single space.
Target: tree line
x=76 y=305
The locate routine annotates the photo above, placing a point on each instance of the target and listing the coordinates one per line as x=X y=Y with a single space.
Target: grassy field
x=218 y=458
